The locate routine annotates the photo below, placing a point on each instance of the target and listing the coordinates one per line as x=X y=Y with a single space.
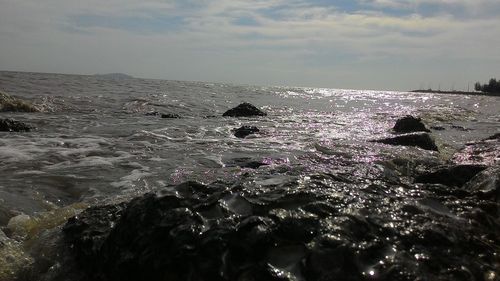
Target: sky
x=349 y=44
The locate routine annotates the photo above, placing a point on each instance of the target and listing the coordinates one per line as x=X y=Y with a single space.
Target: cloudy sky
x=361 y=44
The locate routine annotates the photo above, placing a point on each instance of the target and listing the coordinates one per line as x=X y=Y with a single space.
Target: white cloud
x=285 y=39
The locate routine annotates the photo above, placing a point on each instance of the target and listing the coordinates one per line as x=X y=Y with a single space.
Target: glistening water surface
x=94 y=143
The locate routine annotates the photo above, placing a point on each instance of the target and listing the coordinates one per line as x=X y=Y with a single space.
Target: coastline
x=457 y=93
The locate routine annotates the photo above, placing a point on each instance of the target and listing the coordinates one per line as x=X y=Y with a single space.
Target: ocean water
x=94 y=142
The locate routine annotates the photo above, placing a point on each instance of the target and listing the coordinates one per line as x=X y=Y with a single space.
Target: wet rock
x=493 y=137
x=88 y=231
x=9 y=125
x=171 y=116
x=319 y=229
x=163 y=115
x=486 y=183
x=245 y=162
x=244 y=110
x=454 y=176
x=244 y=131
x=438 y=128
x=460 y=128
x=152 y=113
x=422 y=140
x=9 y=103
x=409 y=124
x=5 y=215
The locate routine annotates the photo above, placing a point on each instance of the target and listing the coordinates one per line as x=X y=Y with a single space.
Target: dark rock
x=153 y=113
x=422 y=140
x=244 y=110
x=438 y=128
x=493 y=137
x=165 y=238
x=244 y=131
x=454 y=176
x=88 y=231
x=171 y=116
x=5 y=215
x=486 y=183
x=409 y=124
x=9 y=125
x=320 y=229
x=245 y=162
x=460 y=128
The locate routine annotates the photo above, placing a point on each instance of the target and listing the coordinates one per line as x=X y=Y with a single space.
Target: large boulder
x=9 y=125
x=244 y=131
x=301 y=230
x=422 y=140
x=189 y=236
x=244 y=110
x=409 y=124
x=453 y=176
x=9 y=103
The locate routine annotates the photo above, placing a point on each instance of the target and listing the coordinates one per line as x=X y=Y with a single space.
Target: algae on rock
x=9 y=103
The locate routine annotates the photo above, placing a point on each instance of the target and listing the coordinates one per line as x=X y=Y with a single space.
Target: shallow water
x=94 y=143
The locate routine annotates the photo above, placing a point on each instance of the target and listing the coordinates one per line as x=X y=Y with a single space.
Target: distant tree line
x=492 y=87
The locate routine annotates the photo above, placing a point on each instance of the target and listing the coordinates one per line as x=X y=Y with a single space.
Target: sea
x=100 y=141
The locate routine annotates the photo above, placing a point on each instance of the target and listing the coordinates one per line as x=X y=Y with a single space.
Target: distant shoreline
x=457 y=93
x=118 y=76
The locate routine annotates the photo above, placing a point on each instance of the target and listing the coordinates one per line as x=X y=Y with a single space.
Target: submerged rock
x=244 y=131
x=9 y=103
x=9 y=125
x=451 y=176
x=493 y=137
x=244 y=162
x=438 y=128
x=163 y=115
x=409 y=124
x=422 y=140
x=244 y=110
x=170 y=116
x=152 y=113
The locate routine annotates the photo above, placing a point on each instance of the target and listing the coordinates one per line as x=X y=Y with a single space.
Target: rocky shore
x=439 y=223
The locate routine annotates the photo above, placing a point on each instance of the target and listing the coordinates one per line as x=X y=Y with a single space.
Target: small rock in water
x=244 y=110
x=5 y=215
x=8 y=103
x=171 y=116
x=493 y=137
x=460 y=128
x=9 y=125
x=245 y=162
x=438 y=128
x=152 y=113
x=451 y=176
x=244 y=131
x=422 y=140
x=409 y=124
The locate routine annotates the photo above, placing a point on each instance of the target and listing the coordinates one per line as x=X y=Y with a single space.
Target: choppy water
x=94 y=143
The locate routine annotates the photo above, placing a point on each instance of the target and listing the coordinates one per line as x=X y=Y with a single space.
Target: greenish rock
x=9 y=103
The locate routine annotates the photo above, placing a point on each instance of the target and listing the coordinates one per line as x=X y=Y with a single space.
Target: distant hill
x=114 y=76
